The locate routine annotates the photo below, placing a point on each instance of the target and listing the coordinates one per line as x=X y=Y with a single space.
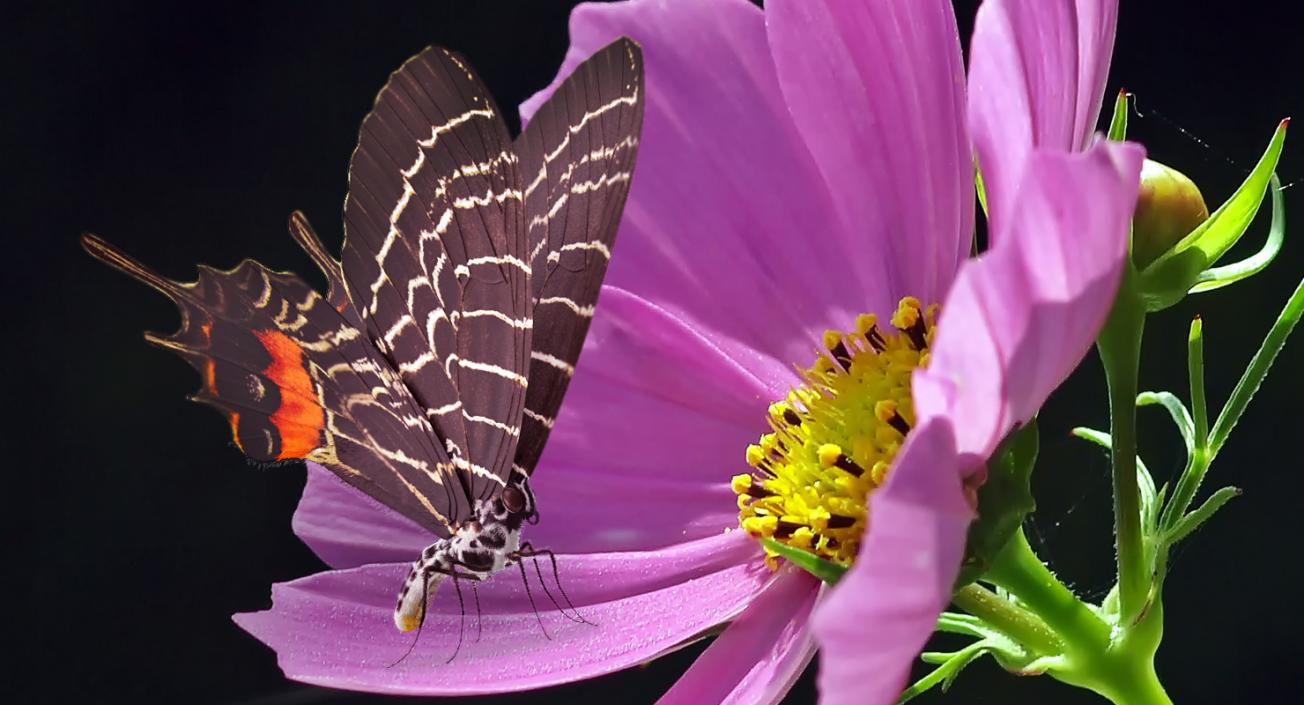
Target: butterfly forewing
x=432 y=257
x=295 y=379
x=410 y=378
x=576 y=160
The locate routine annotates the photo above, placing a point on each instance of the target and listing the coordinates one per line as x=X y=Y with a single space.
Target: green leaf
x=1091 y=435
x=1151 y=500
x=1167 y=280
x=1257 y=369
x=952 y=664
x=1004 y=500
x=1218 y=277
x=1118 y=123
x=1009 y=654
x=1200 y=514
x=1146 y=483
x=827 y=571
x=1195 y=374
x=978 y=185
x=961 y=623
x=1177 y=410
x=954 y=673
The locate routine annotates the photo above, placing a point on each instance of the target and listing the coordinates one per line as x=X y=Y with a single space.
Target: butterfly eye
x=514 y=500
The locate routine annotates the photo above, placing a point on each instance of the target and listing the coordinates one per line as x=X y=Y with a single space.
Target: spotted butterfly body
x=429 y=374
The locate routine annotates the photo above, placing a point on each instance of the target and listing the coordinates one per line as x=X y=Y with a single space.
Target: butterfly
x=430 y=373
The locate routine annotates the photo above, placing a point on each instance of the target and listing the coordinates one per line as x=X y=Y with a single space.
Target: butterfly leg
x=479 y=621
x=525 y=579
x=539 y=572
x=527 y=550
x=475 y=575
x=411 y=611
x=457 y=576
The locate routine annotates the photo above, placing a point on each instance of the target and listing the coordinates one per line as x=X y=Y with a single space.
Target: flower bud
x=1175 y=243
x=1168 y=207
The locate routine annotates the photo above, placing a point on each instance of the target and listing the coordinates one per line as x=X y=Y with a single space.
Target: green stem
x=1120 y=351
x=1126 y=672
x=1070 y=640
x=1258 y=369
x=1017 y=569
x=1133 y=682
x=1024 y=626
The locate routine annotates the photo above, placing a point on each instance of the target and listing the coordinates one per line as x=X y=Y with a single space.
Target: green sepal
x=827 y=571
x=1169 y=278
x=1218 y=277
x=1004 y=501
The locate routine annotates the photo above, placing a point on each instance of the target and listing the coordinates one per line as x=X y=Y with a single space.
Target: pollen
x=833 y=438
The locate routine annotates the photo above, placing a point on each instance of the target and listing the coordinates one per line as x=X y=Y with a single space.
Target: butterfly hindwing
x=432 y=257
x=295 y=379
x=576 y=160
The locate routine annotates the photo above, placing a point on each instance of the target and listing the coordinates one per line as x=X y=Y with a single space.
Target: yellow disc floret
x=832 y=439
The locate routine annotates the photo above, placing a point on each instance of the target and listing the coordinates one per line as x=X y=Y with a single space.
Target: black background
x=187 y=132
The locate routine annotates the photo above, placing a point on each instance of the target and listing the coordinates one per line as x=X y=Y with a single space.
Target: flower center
x=833 y=438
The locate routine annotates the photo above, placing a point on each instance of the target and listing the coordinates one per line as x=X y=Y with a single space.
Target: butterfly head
x=518 y=499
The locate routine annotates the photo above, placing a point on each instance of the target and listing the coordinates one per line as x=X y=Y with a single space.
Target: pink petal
x=656 y=421
x=760 y=655
x=877 y=618
x=588 y=511
x=636 y=342
x=646 y=397
x=1022 y=316
x=728 y=224
x=1036 y=80
x=335 y=629
x=877 y=90
x=346 y=528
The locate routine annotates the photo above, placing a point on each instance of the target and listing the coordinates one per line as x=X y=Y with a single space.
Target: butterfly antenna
x=525 y=579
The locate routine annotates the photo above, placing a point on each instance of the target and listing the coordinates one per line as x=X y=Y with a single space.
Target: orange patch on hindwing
x=210 y=371
x=299 y=418
x=234 y=418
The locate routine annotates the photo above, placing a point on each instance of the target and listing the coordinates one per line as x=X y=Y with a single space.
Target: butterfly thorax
x=478 y=549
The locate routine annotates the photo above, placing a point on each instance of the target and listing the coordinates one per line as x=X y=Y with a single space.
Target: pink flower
x=798 y=168
x=1016 y=320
